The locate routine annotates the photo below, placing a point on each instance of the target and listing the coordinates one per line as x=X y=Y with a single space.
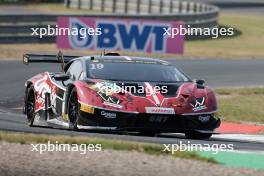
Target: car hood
x=181 y=98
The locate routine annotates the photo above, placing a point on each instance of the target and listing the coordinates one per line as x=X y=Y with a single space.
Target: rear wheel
x=73 y=110
x=197 y=135
x=30 y=105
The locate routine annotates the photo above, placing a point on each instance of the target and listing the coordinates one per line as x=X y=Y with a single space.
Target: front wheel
x=30 y=105
x=73 y=110
x=197 y=135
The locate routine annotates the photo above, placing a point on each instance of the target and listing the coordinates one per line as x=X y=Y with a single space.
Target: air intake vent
x=112 y=54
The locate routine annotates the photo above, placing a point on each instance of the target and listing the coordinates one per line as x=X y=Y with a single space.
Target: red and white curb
x=239 y=128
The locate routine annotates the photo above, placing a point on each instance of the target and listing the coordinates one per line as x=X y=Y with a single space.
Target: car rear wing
x=46 y=58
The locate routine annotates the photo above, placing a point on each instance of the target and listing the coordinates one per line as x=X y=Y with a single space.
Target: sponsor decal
x=137 y=35
x=158 y=118
x=109 y=115
x=65 y=117
x=87 y=108
x=198 y=104
x=112 y=104
x=204 y=118
x=159 y=110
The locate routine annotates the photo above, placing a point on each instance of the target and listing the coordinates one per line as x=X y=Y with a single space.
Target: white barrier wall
x=141 y=6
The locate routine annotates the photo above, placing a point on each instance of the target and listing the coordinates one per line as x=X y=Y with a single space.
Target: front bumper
x=143 y=121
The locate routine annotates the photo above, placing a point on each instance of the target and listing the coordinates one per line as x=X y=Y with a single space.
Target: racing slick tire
x=73 y=110
x=197 y=135
x=30 y=105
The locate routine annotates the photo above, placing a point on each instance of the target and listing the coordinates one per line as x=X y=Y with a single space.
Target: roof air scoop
x=112 y=54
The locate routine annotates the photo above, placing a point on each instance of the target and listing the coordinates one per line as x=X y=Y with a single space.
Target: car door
x=58 y=98
x=75 y=70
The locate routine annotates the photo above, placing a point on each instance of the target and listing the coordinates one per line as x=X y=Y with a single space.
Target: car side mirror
x=200 y=81
x=61 y=77
x=89 y=81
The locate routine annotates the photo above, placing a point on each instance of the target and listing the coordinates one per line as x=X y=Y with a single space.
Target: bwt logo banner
x=119 y=34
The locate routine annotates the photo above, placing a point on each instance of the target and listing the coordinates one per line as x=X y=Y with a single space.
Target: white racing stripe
x=248 y=152
x=234 y=137
x=242 y=137
x=153 y=94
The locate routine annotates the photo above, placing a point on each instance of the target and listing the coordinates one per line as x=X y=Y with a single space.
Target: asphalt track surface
x=217 y=73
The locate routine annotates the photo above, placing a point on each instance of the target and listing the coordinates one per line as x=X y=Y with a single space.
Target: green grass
x=248 y=45
x=120 y=145
x=253 y=160
x=241 y=104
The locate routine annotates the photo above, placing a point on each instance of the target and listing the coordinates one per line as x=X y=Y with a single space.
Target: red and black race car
x=120 y=93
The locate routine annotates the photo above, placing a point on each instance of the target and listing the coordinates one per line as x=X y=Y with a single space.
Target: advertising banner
x=134 y=35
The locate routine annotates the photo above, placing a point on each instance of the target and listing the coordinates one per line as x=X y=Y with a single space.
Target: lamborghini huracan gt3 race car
x=116 y=92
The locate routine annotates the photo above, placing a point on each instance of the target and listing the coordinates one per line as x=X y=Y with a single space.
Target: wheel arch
x=68 y=92
x=28 y=84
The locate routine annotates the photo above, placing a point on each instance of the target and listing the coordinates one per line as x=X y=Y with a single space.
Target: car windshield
x=134 y=71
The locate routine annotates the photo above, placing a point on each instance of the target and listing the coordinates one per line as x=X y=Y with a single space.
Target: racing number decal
x=96 y=66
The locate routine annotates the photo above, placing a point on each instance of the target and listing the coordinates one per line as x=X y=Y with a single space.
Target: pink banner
x=118 y=34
